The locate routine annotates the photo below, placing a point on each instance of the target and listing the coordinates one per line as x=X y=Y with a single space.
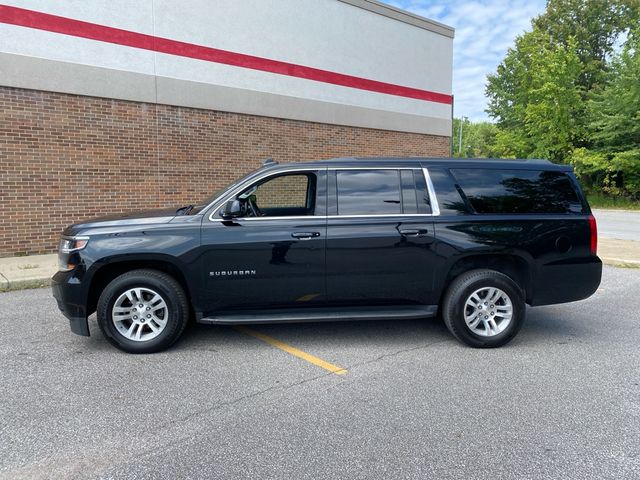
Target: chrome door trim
x=435 y=209
x=239 y=189
x=433 y=200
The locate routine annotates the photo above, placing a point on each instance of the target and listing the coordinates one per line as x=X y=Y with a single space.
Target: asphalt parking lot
x=561 y=401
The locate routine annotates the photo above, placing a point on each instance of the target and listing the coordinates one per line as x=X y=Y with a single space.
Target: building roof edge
x=403 y=16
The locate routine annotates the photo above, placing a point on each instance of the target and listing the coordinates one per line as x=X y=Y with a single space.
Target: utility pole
x=462 y=120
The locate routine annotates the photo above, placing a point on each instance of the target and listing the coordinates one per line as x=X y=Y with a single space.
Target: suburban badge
x=232 y=273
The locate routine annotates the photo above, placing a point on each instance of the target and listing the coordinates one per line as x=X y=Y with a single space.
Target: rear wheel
x=483 y=308
x=143 y=311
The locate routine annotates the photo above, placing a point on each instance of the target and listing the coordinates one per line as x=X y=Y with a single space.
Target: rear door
x=379 y=237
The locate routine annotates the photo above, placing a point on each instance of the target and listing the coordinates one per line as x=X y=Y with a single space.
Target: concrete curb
x=620 y=262
x=24 y=284
x=615 y=210
x=34 y=271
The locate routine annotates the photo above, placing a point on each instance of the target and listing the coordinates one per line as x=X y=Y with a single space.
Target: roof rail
x=268 y=162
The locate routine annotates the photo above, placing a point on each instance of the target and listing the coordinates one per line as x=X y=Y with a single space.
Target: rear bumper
x=567 y=282
x=69 y=295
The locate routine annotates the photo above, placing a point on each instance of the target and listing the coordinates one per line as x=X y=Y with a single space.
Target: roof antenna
x=268 y=162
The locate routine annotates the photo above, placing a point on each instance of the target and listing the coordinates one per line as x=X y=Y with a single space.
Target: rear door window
x=368 y=192
x=518 y=191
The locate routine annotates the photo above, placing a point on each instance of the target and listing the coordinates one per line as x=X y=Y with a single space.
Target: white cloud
x=485 y=29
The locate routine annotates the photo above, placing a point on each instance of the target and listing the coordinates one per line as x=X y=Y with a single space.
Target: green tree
x=593 y=27
x=536 y=99
x=614 y=113
x=613 y=164
x=478 y=139
x=538 y=95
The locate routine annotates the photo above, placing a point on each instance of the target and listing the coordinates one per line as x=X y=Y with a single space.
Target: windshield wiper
x=184 y=210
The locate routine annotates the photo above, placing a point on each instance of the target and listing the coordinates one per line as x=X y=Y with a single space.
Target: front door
x=273 y=255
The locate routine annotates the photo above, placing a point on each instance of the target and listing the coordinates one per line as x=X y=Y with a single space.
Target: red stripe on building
x=77 y=28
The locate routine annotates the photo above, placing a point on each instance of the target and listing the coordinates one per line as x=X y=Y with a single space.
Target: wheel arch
x=515 y=266
x=106 y=270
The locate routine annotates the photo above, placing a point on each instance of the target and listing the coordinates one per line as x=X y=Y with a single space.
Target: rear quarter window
x=449 y=199
x=518 y=191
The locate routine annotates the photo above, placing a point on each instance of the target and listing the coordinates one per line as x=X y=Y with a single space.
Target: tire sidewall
x=117 y=287
x=456 y=310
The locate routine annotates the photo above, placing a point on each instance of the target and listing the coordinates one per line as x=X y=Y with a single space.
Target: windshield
x=219 y=192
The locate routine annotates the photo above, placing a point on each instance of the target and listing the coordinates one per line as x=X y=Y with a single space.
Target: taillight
x=593 y=235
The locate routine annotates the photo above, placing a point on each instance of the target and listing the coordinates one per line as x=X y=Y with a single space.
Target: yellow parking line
x=293 y=351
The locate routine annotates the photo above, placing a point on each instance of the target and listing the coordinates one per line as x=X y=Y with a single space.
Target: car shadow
x=542 y=325
x=556 y=323
x=354 y=333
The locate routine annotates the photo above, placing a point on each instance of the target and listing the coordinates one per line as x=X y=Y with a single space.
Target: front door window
x=281 y=196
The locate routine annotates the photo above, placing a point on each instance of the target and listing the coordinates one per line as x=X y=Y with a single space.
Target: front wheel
x=143 y=311
x=483 y=308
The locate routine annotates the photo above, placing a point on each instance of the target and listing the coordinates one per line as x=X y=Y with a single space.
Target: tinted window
x=409 y=198
x=518 y=191
x=363 y=192
x=424 y=202
x=281 y=196
x=449 y=199
x=282 y=192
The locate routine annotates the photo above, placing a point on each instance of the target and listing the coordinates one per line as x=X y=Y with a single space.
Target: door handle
x=413 y=232
x=305 y=235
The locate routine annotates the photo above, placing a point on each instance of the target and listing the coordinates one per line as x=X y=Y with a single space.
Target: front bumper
x=69 y=294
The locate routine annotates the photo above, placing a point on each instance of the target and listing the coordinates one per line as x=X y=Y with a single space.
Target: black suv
x=342 y=239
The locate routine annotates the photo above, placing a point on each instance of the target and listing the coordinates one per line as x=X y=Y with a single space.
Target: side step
x=328 y=314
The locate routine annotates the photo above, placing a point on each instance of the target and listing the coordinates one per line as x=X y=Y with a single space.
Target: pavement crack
x=396 y=353
x=165 y=429
x=242 y=398
x=289 y=386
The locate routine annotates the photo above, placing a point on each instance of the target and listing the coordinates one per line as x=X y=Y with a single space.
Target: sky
x=485 y=29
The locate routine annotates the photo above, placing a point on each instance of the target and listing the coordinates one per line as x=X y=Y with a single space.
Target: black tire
x=462 y=287
x=170 y=291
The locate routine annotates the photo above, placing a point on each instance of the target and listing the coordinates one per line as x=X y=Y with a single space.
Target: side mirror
x=231 y=209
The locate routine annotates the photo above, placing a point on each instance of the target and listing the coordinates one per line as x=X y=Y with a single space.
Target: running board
x=333 y=314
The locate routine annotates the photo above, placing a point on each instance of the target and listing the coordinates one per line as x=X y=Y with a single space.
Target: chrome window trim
x=433 y=200
x=435 y=209
x=239 y=188
x=374 y=168
x=324 y=217
x=293 y=217
x=382 y=215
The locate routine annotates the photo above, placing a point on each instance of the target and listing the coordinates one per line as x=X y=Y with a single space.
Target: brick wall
x=285 y=191
x=64 y=158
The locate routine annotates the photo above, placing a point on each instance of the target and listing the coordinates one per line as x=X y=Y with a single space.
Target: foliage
x=615 y=174
x=614 y=113
x=593 y=26
x=613 y=163
x=536 y=99
x=478 y=139
x=600 y=200
x=567 y=91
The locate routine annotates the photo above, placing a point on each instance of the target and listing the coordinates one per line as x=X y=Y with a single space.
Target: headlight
x=68 y=245
x=71 y=244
